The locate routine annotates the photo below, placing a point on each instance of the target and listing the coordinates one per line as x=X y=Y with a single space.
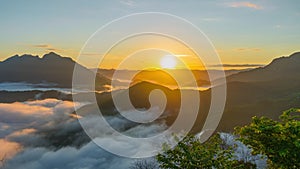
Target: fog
x=43 y=134
x=23 y=86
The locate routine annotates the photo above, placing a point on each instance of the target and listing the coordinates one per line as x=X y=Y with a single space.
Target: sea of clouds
x=23 y=86
x=46 y=134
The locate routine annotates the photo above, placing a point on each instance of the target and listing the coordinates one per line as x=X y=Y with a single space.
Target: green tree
x=278 y=140
x=191 y=154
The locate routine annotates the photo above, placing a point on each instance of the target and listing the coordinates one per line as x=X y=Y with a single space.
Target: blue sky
x=242 y=31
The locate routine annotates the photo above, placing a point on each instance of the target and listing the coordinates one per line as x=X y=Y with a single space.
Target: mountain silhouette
x=51 y=68
x=263 y=91
x=279 y=69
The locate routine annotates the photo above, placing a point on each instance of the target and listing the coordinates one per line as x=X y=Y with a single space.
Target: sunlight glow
x=168 y=61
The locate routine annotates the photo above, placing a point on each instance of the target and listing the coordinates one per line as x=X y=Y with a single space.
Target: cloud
x=54 y=50
x=242 y=152
x=35 y=111
x=41 y=134
x=237 y=65
x=89 y=156
x=8 y=149
x=248 y=49
x=21 y=113
x=40 y=123
x=121 y=124
x=22 y=132
x=42 y=46
x=129 y=3
x=47 y=47
x=279 y=26
x=244 y=4
x=21 y=86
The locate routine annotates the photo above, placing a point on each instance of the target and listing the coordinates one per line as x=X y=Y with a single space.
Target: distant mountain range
x=51 y=69
x=282 y=68
x=55 y=70
x=161 y=77
x=265 y=91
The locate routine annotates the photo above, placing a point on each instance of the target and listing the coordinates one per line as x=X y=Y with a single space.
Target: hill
x=264 y=91
x=286 y=67
x=51 y=69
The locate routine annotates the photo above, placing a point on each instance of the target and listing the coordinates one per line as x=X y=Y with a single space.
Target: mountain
x=269 y=91
x=265 y=91
x=286 y=67
x=164 y=76
x=51 y=68
x=139 y=97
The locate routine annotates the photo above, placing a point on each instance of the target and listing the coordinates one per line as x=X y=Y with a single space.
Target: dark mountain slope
x=279 y=69
x=263 y=91
x=51 y=68
x=268 y=96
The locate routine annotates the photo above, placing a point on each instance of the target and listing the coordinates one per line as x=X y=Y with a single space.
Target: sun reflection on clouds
x=8 y=150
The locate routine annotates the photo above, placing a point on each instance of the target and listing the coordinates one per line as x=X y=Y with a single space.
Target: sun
x=168 y=62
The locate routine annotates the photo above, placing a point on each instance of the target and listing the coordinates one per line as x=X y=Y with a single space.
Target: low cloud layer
x=8 y=150
x=41 y=134
x=89 y=156
x=22 y=124
x=238 y=65
x=21 y=86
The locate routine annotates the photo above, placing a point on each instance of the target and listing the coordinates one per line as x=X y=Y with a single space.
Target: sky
x=243 y=32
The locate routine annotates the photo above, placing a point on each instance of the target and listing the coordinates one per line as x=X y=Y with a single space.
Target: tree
x=145 y=164
x=190 y=153
x=278 y=140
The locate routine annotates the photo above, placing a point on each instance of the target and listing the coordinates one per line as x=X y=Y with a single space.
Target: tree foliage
x=190 y=153
x=278 y=140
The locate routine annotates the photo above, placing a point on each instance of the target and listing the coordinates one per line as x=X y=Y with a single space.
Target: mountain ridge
x=278 y=68
x=50 y=68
